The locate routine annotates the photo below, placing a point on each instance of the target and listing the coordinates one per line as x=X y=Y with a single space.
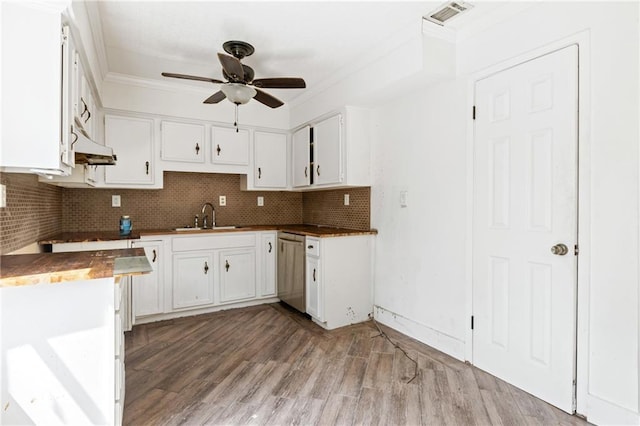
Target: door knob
x=559 y=249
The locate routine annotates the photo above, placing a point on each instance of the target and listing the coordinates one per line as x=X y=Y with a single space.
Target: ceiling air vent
x=447 y=11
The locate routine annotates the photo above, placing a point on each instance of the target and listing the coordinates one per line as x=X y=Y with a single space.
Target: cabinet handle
x=155 y=255
x=309 y=246
x=85 y=110
x=88 y=116
x=206 y=267
x=226 y=265
x=318 y=170
x=259 y=173
x=146 y=165
x=314 y=274
x=305 y=171
x=75 y=139
x=270 y=247
x=197 y=148
x=218 y=149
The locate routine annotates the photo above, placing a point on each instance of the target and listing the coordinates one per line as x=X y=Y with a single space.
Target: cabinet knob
x=226 y=265
x=218 y=149
x=206 y=267
x=154 y=257
x=310 y=246
x=197 y=148
x=270 y=247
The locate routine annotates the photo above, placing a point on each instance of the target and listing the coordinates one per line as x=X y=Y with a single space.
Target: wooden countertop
x=310 y=230
x=45 y=268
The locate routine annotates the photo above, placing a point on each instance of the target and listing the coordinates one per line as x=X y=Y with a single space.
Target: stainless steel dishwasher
x=291 y=257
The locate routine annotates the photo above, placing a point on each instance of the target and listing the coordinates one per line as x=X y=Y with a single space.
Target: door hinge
x=473 y=114
x=576 y=250
x=472 y=322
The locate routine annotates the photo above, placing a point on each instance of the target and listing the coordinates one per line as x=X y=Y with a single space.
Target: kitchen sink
x=190 y=228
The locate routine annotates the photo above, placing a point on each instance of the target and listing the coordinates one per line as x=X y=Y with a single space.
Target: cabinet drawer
x=313 y=246
x=211 y=242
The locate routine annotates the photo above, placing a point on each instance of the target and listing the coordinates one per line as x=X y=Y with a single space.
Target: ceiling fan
x=240 y=86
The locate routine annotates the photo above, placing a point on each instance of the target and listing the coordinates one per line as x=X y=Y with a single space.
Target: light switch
x=346 y=199
x=260 y=201
x=403 y=198
x=223 y=200
x=115 y=201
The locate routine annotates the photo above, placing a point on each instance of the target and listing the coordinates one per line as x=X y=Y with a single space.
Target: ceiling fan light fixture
x=238 y=93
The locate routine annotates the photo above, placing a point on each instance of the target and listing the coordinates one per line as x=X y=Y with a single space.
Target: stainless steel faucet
x=204 y=216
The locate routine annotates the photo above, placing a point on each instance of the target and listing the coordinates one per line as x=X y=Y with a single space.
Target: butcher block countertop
x=48 y=268
x=310 y=230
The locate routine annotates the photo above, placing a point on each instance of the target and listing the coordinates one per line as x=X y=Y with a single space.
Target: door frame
x=581 y=40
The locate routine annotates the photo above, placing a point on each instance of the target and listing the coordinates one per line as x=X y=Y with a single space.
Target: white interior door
x=525 y=203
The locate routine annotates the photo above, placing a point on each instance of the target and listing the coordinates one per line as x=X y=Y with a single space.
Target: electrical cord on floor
x=395 y=345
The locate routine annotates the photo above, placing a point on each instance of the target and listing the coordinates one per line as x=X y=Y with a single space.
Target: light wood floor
x=269 y=365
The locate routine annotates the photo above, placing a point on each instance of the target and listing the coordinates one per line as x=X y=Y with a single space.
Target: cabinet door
x=268 y=252
x=132 y=142
x=314 y=288
x=192 y=279
x=182 y=142
x=229 y=146
x=148 y=288
x=270 y=160
x=301 y=173
x=237 y=274
x=327 y=142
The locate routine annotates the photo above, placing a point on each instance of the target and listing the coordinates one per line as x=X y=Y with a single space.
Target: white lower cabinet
x=148 y=289
x=237 y=268
x=313 y=290
x=192 y=279
x=204 y=272
x=268 y=256
x=339 y=280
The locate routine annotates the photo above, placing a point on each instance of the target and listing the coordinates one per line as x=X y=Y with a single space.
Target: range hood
x=90 y=152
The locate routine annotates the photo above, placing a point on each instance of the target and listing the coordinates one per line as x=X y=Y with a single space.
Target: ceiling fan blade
x=191 y=77
x=280 y=83
x=267 y=99
x=232 y=66
x=215 y=98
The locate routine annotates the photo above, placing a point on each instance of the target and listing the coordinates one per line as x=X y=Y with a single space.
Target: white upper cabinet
x=333 y=151
x=229 y=146
x=327 y=148
x=270 y=160
x=35 y=89
x=301 y=159
x=182 y=142
x=132 y=141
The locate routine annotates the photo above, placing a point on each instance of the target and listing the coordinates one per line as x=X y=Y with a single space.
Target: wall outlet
x=346 y=199
x=115 y=201
x=223 y=200
x=3 y=196
x=260 y=201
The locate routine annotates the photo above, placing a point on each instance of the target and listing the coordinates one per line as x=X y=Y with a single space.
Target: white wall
x=420 y=146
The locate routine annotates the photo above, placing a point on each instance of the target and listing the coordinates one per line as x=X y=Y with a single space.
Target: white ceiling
x=313 y=40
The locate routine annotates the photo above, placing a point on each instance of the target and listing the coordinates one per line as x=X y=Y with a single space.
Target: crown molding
x=95 y=25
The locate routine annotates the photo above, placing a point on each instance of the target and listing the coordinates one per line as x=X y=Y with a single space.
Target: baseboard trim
x=602 y=412
x=425 y=334
x=207 y=310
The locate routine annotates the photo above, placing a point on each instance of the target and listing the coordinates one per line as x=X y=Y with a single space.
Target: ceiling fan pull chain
x=235 y=123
